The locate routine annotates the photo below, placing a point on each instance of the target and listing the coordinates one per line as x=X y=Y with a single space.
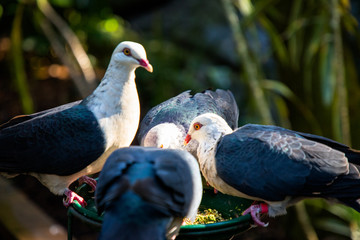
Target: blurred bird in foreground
x=274 y=165
x=62 y=144
x=146 y=192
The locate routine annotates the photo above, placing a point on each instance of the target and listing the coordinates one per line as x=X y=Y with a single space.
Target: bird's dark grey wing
x=176 y=186
x=172 y=184
x=56 y=142
x=111 y=183
x=166 y=111
x=271 y=163
x=226 y=105
x=22 y=118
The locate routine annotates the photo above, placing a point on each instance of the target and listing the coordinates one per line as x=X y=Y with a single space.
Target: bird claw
x=215 y=190
x=88 y=180
x=255 y=211
x=71 y=197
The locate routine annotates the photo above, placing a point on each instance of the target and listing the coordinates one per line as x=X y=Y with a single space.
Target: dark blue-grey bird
x=166 y=124
x=145 y=193
x=275 y=165
x=62 y=144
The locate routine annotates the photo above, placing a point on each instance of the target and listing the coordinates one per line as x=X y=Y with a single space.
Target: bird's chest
x=120 y=129
x=207 y=164
x=208 y=169
x=119 y=117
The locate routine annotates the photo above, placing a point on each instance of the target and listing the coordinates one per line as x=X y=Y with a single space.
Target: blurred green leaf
x=1 y=10
x=283 y=90
x=295 y=36
x=316 y=38
x=62 y=3
x=334 y=226
x=280 y=50
x=328 y=75
x=19 y=71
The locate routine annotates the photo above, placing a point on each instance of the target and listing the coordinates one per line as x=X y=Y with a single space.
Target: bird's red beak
x=145 y=64
x=187 y=139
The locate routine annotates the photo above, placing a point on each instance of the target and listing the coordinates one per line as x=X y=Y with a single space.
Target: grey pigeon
x=62 y=144
x=275 y=165
x=146 y=192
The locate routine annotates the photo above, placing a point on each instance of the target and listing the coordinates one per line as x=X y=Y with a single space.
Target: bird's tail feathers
x=353 y=156
x=346 y=189
x=226 y=100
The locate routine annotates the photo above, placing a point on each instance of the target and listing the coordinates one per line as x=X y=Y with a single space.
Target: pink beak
x=145 y=64
x=187 y=139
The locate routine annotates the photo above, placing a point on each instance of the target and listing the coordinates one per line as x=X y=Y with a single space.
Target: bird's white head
x=131 y=54
x=206 y=127
x=164 y=135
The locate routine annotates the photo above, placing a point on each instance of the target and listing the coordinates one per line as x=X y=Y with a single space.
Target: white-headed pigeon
x=166 y=124
x=146 y=192
x=59 y=145
x=275 y=165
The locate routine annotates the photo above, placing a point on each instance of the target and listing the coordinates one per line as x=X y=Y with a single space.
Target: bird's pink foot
x=255 y=210
x=215 y=190
x=71 y=197
x=88 y=180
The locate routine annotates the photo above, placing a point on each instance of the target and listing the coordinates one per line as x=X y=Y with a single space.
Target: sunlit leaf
x=245 y=7
x=258 y=9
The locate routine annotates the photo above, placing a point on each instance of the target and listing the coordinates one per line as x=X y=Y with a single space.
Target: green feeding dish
x=228 y=206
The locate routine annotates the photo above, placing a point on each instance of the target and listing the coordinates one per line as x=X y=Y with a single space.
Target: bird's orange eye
x=197 y=126
x=127 y=51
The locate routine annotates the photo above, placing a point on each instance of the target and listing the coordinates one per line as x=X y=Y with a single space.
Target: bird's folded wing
x=112 y=182
x=22 y=118
x=164 y=112
x=182 y=177
x=60 y=142
x=268 y=163
x=352 y=155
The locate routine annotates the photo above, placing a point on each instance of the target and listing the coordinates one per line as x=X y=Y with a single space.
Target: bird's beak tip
x=149 y=67
x=145 y=64
x=187 y=139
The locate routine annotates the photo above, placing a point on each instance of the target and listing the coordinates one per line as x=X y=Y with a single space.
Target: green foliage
x=315 y=75
x=309 y=55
